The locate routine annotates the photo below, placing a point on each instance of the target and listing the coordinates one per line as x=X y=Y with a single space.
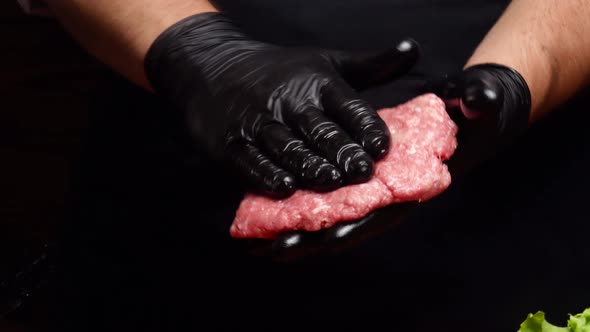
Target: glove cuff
x=189 y=43
x=513 y=119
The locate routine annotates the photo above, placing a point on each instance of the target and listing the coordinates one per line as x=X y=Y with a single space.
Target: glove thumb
x=362 y=70
x=488 y=90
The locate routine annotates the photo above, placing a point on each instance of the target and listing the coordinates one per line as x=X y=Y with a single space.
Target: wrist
x=201 y=46
x=120 y=32
x=165 y=22
x=534 y=66
x=167 y=17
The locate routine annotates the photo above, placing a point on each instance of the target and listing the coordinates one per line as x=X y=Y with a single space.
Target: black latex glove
x=491 y=106
x=284 y=118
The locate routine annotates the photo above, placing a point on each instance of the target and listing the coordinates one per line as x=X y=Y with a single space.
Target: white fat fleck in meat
x=429 y=136
x=437 y=116
x=320 y=208
x=412 y=122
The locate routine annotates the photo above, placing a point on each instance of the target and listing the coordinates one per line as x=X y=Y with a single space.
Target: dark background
x=46 y=87
x=141 y=222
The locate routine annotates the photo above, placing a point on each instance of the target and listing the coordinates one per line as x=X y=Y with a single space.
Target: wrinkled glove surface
x=283 y=117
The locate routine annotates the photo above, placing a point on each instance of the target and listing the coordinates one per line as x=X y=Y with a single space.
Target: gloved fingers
x=380 y=221
x=259 y=170
x=359 y=118
x=298 y=245
x=333 y=143
x=342 y=236
x=290 y=152
x=474 y=91
x=481 y=93
x=366 y=69
x=497 y=92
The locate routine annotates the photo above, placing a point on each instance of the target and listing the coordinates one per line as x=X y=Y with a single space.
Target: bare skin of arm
x=548 y=43
x=120 y=32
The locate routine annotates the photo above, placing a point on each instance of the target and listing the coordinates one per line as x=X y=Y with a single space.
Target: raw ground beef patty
x=422 y=137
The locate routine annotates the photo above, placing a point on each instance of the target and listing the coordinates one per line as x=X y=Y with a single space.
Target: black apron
x=147 y=247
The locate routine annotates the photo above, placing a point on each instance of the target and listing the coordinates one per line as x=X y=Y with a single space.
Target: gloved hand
x=284 y=118
x=490 y=104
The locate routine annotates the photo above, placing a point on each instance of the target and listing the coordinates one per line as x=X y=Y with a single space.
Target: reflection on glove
x=282 y=117
x=343 y=236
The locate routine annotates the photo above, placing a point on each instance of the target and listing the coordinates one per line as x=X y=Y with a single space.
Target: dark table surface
x=144 y=235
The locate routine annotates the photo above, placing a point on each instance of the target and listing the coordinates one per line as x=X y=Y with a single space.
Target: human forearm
x=120 y=32
x=546 y=41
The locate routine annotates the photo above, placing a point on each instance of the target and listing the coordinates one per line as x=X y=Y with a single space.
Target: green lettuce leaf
x=580 y=322
x=537 y=323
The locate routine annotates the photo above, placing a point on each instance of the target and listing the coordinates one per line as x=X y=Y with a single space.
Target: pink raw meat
x=422 y=137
